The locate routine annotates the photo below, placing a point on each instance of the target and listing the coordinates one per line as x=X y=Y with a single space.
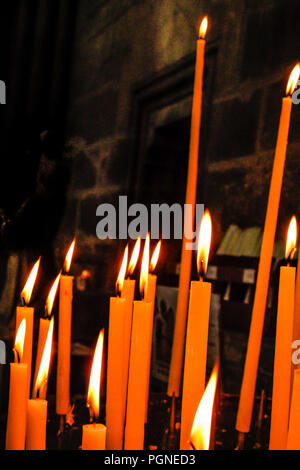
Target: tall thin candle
x=94 y=434
x=127 y=293
x=115 y=397
x=37 y=407
x=186 y=254
x=138 y=364
x=44 y=331
x=245 y=408
x=17 y=401
x=64 y=337
x=197 y=335
x=283 y=344
x=28 y=313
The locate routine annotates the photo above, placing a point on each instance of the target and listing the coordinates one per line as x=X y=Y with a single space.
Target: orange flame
x=20 y=338
x=122 y=273
x=291 y=239
x=155 y=256
x=51 y=295
x=145 y=267
x=204 y=241
x=134 y=256
x=68 y=258
x=28 y=288
x=203 y=28
x=93 y=397
x=201 y=429
x=293 y=79
x=42 y=377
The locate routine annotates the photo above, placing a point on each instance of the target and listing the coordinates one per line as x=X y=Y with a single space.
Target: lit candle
x=17 y=404
x=37 y=407
x=283 y=345
x=150 y=297
x=127 y=293
x=138 y=363
x=27 y=313
x=186 y=254
x=245 y=408
x=293 y=441
x=200 y=435
x=115 y=373
x=43 y=333
x=64 y=337
x=196 y=337
x=94 y=434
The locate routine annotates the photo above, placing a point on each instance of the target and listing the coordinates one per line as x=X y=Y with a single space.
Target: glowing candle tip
x=204 y=241
x=122 y=272
x=28 y=288
x=293 y=80
x=19 y=341
x=134 y=257
x=203 y=28
x=201 y=429
x=42 y=377
x=291 y=239
x=145 y=268
x=68 y=258
x=155 y=256
x=51 y=296
x=93 y=396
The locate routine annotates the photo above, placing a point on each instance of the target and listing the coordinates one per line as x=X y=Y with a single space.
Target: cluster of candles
x=27 y=417
x=128 y=358
x=286 y=416
x=130 y=334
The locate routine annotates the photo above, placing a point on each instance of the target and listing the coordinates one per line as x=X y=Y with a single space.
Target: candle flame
x=51 y=295
x=20 y=338
x=203 y=28
x=134 y=257
x=201 y=429
x=145 y=268
x=204 y=240
x=43 y=372
x=68 y=258
x=291 y=239
x=293 y=79
x=122 y=272
x=28 y=288
x=93 y=397
x=155 y=256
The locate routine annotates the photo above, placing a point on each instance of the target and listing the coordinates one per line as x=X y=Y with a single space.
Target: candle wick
x=23 y=303
x=192 y=445
x=17 y=358
x=201 y=274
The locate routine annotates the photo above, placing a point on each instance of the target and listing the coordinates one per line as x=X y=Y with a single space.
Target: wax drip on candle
x=134 y=258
